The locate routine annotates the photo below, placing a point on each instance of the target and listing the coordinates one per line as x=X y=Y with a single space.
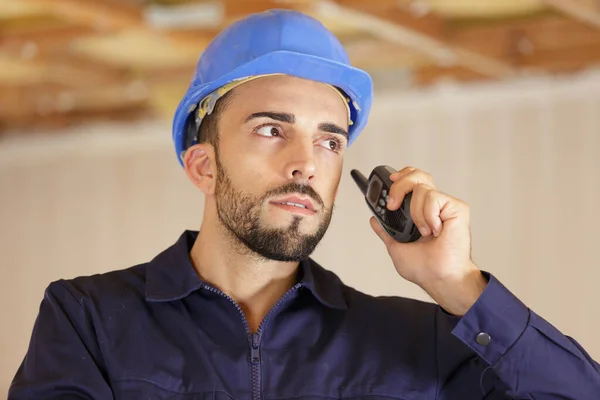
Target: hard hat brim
x=355 y=82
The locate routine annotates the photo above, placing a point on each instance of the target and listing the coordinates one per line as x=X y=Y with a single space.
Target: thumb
x=378 y=229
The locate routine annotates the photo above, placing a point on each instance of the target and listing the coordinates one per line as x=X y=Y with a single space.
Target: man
x=238 y=310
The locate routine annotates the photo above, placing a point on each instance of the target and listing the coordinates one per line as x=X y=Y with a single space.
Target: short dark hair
x=208 y=132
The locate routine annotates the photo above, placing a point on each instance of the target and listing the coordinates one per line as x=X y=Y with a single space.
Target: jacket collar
x=171 y=276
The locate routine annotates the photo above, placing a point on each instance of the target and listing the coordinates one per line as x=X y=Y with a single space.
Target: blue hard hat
x=275 y=41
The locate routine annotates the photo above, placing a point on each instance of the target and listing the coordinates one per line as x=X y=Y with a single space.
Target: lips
x=296 y=201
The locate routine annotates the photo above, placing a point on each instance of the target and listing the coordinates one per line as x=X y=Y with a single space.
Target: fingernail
x=390 y=201
x=424 y=230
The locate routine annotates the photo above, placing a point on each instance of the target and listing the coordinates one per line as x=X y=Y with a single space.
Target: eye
x=269 y=130
x=332 y=144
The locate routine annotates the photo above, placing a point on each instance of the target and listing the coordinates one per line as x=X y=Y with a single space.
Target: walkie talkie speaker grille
x=413 y=230
x=391 y=233
x=396 y=219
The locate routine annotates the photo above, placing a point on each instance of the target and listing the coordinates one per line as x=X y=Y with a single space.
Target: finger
x=453 y=208
x=378 y=229
x=434 y=203
x=417 y=204
x=405 y=185
x=403 y=172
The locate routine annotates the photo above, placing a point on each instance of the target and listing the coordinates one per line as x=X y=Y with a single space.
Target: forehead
x=285 y=93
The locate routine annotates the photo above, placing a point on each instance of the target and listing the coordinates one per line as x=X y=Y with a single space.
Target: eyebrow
x=333 y=128
x=290 y=119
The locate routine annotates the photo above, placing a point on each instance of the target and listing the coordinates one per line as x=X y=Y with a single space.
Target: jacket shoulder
x=113 y=285
x=384 y=307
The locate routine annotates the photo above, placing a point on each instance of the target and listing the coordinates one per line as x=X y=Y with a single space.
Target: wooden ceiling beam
x=399 y=12
x=431 y=74
x=545 y=61
x=563 y=60
x=18 y=101
x=43 y=99
x=98 y=14
x=80 y=72
x=549 y=33
x=424 y=34
x=64 y=68
x=586 y=12
x=29 y=122
x=27 y=45
x=58 y=34
x=373 y=54
x=57 y=122
x=554 y=44
x=235 y=9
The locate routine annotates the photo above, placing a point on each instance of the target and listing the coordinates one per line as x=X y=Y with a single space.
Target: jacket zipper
x=254 y=338
x=255 y=360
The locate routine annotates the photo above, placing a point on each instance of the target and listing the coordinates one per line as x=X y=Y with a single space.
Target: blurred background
x=498 y=99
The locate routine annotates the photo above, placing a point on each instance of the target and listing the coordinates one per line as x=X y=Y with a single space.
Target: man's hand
x=439 y=262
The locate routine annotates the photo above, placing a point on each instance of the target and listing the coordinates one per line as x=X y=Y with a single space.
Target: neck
x=256 y=284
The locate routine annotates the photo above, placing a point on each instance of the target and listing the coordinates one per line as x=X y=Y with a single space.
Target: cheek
x=331 y=175
x=248 y=181
x=246 y=167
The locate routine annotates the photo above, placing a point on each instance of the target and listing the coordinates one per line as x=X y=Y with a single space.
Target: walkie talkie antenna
x=360 y=180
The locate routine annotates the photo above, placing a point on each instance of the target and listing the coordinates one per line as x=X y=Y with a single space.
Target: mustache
x=293 y=187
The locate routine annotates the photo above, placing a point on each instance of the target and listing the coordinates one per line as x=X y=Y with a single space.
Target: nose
x=301 y=164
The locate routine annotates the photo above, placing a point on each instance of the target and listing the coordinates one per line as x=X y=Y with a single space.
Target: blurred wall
x=525 y=155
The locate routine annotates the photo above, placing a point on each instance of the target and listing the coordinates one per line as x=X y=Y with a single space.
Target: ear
x=199 y=167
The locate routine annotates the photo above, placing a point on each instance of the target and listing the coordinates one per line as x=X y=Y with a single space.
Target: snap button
x=483 y=339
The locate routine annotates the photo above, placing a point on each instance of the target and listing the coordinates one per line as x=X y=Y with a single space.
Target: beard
x=240 y=214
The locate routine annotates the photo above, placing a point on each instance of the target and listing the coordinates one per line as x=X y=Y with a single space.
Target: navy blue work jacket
x=156 y=331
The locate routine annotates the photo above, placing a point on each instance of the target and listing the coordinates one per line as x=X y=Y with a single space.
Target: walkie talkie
x=376 y=189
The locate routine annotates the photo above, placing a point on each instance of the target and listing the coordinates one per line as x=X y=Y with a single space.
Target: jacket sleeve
x=523 y=356
x=63 y=360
